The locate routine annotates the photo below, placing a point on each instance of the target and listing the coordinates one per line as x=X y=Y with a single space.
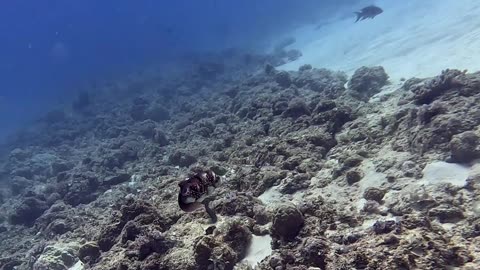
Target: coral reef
x=336 y=178
x=287 y=222
x=368 y=81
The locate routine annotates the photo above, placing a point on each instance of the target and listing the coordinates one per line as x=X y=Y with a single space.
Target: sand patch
x=259 y=249
x=410 y=39
x=443 y=172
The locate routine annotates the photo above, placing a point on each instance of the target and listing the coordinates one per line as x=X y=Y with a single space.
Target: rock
x=314 y=252
x=58 y=167
x=320 y=137
x=465 y=147
x=447 y=213
x=138 y=109
x=180 y=158
x=269 y=178
x=28 y=211
x=333 y=115
x=298 y=182
x=203 y=250
x=25 y=172
x=18 y=154
x=57 y=220
x=56 y=257
x=261 y=215
x=89 y=252
x=287 y=222
x=305 y=67
x=310 y=166
x=209 y=254
x=79 y=188
x=117 y=179
x=52 y=198
x=58 y=227
x=147 y=128
x=269 y=69
x=328 y=83
x=141 y=223
x=275 y=261
x=374 y=194
x=425 y=92
x=291 y=163
x=238 y=237
x=368 y=81
x=427 y=113
x=210 y=230
x=382 y=227
x=410 y=169
x=219 y=170
x=225 y=247
x=296 y=108
x=151 y=242
x=283 y=79
x=352 y=161
x=353 y=176
x=371 y=207
x=237 y=204
x=19 y=184
x=160 y=138
x=127 y=152
x=279 y=106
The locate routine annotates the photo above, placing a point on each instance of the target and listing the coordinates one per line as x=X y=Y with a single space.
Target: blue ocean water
x=49 y=49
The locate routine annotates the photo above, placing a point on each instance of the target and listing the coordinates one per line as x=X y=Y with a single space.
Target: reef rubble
x=335 y=170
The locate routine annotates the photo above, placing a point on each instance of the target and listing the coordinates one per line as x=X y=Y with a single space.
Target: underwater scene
x=240 y=135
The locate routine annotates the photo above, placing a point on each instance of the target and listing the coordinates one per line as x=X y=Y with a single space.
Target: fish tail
x=359 y=15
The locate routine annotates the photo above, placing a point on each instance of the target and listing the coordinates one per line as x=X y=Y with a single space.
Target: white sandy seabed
x=411 y=38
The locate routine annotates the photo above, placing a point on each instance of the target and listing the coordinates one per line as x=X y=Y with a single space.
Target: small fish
x=368 y=12
x=197 y=190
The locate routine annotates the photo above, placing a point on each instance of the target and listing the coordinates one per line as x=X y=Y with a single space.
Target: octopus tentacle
x=210 y=211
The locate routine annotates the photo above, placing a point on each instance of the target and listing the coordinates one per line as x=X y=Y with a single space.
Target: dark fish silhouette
x=197 y=190
x=368 y=12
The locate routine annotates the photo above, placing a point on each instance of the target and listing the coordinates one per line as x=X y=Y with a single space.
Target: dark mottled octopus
x=197 y=190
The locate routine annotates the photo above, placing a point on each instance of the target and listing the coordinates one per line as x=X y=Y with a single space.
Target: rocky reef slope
x=338 y=172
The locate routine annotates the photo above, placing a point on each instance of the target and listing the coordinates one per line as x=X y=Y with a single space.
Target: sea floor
x=320 y=168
